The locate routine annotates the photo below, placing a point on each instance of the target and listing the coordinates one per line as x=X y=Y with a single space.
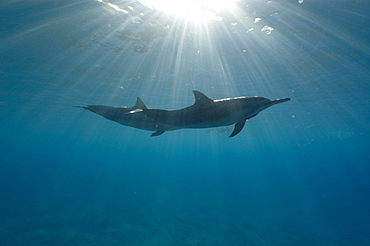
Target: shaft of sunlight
x=196 y=10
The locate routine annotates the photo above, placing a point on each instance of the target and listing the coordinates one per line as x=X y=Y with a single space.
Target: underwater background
x=297 y=174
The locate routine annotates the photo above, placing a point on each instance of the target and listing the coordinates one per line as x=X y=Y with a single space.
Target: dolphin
x=121 y=115
x=206 y=113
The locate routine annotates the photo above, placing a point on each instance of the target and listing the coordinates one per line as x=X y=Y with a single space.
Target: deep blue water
x=298 y=173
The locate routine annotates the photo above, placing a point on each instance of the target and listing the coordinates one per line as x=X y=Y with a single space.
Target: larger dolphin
x=205 y=113
x=122 y=116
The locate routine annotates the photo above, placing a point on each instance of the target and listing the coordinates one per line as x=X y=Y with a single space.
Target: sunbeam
x=194 y=10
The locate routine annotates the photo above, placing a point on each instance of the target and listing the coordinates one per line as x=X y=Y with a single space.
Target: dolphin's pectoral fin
x=238 y=127
x=159 y=132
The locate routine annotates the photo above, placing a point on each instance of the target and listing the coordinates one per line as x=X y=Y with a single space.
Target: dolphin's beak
x=276 y=101
x=280 y=100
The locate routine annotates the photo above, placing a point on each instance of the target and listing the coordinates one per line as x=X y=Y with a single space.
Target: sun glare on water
x=196 y=10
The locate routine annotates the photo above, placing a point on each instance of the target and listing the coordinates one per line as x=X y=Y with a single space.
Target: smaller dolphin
x=206 y=113
x=122 y=116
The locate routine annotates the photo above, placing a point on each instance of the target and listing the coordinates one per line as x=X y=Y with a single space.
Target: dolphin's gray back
x=198 y=115
x=205 y=113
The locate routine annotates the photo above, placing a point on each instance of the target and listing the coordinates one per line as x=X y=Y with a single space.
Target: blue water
x=298 y=173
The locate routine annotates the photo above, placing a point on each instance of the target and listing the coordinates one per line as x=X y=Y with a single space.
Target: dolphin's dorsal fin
x=140 y=104
x=201 y=98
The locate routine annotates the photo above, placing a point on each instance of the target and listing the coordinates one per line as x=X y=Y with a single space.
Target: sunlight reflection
x=196 y=10
x=115 y=7
x=267 y=29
